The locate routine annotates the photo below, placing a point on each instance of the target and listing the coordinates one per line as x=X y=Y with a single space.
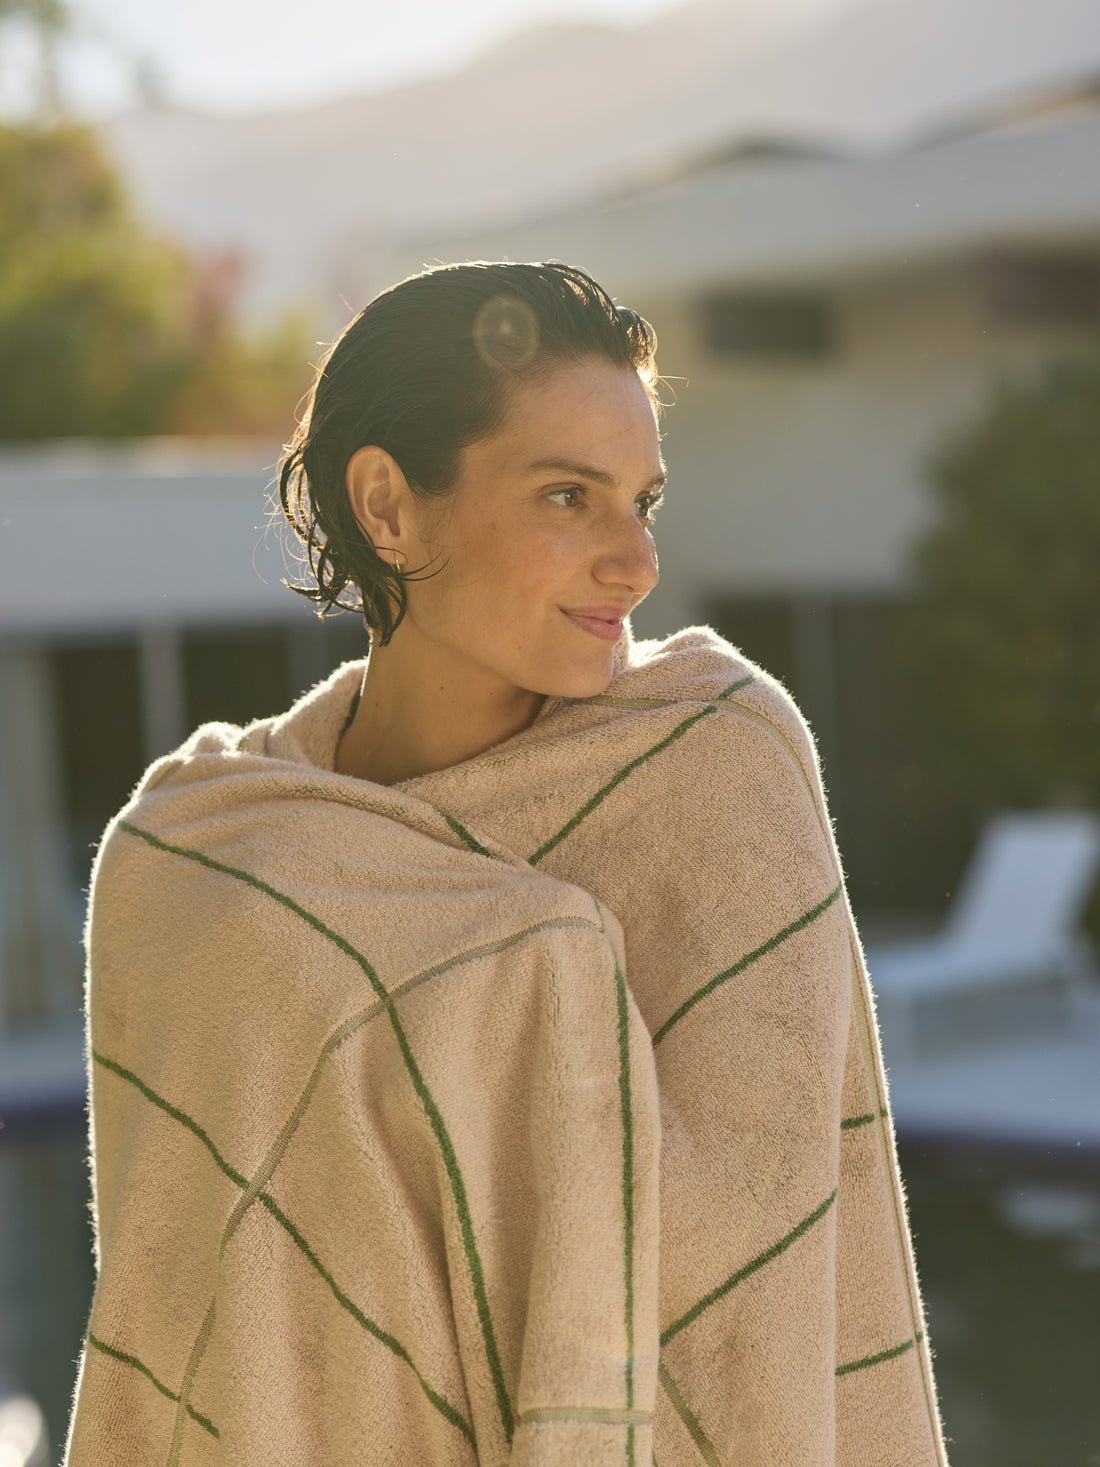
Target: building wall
x=796 y=476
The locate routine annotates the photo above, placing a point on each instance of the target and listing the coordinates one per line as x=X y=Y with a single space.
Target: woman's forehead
x=580 y=413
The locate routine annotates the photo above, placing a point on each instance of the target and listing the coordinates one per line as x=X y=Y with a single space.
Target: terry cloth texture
x=532 y=1111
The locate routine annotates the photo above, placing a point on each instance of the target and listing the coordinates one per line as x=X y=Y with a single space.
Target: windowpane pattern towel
x=531 y=1111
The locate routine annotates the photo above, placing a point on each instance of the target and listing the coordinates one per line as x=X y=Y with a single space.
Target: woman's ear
x=379 y=495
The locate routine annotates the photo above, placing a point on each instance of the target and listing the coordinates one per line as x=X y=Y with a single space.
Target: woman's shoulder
x=698 y=665
x=746 y=727
x=303 y=734
x=215 y=740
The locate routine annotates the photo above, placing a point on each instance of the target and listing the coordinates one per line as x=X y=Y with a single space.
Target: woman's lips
x=610 y=631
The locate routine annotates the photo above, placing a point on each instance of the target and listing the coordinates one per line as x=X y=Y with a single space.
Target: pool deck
x=1025 y=1079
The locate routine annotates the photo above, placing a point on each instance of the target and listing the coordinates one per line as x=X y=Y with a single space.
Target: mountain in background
x=572 y=112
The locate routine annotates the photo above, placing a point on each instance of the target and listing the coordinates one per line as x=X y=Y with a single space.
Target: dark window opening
x=1059 y=289
x=235 y=675
x=789 y=324
x=902 y=835
x=99 y=739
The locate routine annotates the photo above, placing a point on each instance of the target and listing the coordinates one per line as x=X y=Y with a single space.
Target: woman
x=483 y=1062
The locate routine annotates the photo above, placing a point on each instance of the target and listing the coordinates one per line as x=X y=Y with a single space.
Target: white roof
x=810 y=220
x=107 y=536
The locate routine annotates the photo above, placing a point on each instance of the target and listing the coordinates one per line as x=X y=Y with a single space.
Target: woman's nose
x=630 y=556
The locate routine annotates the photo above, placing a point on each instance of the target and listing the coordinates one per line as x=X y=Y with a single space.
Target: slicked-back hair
x=424 y=370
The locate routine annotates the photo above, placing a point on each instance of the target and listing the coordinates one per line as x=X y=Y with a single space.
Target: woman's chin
x=585 y=682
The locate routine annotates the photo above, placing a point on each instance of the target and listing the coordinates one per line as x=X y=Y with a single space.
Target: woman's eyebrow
x=586 y=471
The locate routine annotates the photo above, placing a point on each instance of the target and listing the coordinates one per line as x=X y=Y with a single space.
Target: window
x=903 y=835
x=235 y=674
x=1057 y=289
x=100 y=739
x=754 y=324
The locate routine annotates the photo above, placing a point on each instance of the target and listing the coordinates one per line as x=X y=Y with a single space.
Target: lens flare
x=506 y=332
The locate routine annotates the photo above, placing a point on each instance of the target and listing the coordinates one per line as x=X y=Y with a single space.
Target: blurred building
x=140 y=596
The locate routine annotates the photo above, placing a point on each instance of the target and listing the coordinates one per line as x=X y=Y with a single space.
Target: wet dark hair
x=424 y=370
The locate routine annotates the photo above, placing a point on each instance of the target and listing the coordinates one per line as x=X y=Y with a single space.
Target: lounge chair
x=1014 y=922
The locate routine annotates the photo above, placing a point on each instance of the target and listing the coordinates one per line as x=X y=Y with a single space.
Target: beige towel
x=532 y=1111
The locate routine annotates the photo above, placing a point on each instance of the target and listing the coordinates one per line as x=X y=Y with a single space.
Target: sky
x=233 y=56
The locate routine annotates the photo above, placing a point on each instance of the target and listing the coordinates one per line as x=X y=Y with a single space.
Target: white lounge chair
x=1013 y=922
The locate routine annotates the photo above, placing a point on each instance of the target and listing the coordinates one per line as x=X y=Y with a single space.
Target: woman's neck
x=422 y=708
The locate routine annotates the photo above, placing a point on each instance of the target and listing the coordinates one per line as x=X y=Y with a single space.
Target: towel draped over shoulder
x=531 y=1111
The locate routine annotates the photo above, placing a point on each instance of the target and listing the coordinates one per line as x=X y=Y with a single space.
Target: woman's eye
x=570 y=489
x=652 y=502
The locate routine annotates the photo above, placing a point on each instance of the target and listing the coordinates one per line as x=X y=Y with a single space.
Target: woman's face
x=551 y=514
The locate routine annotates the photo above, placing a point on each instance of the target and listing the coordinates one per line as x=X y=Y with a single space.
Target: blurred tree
x=108 y=330
x=998 y=648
